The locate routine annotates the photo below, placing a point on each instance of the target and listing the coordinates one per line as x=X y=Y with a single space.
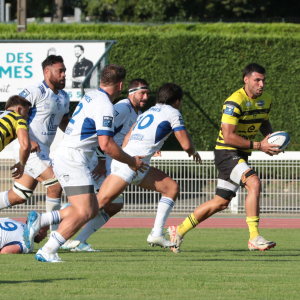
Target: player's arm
x=126 y=139
x=11 y=249
x=233 y=139
x=266 y=128
x=187 y=144
x=25 y=147
x=64 y=123
x=109 y=146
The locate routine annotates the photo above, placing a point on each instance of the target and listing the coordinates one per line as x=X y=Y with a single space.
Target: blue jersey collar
x=46 y=85
x=101 y=90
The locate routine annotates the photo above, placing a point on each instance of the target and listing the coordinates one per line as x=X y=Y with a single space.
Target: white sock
x=50 y=218
x=93 y=225
x=55 y=241
x=164 y=208
x=51 y=205
x=4 y=202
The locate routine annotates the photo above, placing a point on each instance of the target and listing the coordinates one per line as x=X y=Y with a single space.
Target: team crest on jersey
x=107 y=121
x=47 y=105
x=58 y=102
x=229 y=110
x=130 y=123
x=261 y=103
x=65 y=177
x=68 y=130
x=248 y=104
x=24 y=93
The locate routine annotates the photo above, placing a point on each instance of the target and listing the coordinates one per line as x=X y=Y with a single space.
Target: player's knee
x=113 y=208
x=173 y=190
x=220 y=203
x=19 y=194
x=253 y=185
x=55 y=190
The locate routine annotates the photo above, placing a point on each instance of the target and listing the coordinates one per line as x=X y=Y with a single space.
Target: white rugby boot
x=159 y=241
x=32 y=228
x=84 y=247
x=70 y=244
x=261 y=244
x=175 y=238
x=47 y=257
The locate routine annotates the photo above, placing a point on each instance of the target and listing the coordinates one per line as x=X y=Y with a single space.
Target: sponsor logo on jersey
x=136 y=137
x=229 y=110
x=261 y=103
x=58 y=102
x=116 y=113
x=24 y=93
x=42 y=89
x=107 y=121
x=181 y=121
x=68 y=130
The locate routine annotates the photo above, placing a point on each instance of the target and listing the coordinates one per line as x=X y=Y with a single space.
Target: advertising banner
x=21 y=64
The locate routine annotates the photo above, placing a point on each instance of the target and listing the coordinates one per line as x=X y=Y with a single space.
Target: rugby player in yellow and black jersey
x=13 y=124
x=244 y=113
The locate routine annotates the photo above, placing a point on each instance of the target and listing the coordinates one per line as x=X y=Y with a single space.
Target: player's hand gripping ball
x=279 y=138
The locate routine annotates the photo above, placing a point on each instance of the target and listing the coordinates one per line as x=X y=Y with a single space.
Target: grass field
x=214 y=264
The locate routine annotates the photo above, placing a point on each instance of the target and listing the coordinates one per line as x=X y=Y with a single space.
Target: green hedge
x=205 y=60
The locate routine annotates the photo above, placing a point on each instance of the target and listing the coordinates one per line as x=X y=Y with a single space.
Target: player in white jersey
x=11 y=237
x=147 y=136
x=49 y=110
x=126 y=114
x=92 y=124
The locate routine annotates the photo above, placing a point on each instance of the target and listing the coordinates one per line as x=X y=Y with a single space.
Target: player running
x=244 y=113
x=11 y=237
x=126 y=114
x=147 y=136
x=50 y=110
x=92 y=125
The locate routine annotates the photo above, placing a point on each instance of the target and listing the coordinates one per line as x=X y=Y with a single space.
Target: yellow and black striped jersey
x=247 y=114
x=10 y=122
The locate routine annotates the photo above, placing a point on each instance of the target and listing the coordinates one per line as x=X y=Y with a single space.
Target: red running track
x=137 y=222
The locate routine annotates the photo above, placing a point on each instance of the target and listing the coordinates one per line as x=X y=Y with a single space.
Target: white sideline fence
x=280 y=181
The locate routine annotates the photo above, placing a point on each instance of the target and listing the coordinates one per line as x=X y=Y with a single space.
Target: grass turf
x=214 y=264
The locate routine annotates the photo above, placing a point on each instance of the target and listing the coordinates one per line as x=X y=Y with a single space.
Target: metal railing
x=280 y=182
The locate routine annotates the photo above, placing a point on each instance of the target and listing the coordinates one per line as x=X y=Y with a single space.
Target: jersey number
x=80 y=105
x=8 y=227
x=144 y=122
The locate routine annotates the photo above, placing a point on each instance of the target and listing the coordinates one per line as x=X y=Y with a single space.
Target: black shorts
x=226 y=160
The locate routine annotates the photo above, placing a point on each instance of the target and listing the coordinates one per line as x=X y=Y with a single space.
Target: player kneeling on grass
x=244 y=113
x=147 y=136
x=11 y=237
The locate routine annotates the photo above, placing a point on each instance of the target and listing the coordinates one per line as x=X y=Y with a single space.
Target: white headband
x=137 y=89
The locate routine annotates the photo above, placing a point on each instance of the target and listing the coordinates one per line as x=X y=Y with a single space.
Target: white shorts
x=37 y=162
x=94 y=161
x=71 y=167
x=123 y=171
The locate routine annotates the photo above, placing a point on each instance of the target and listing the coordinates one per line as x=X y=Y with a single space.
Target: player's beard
x=58 y=84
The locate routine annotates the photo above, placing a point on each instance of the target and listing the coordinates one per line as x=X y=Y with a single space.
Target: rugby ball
x=279 y=138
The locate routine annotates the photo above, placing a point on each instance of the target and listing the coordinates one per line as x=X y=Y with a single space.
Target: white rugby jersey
x=125 y=117
x=152 y=128
x=11 y=233
x=46 y=112
x=94 y=115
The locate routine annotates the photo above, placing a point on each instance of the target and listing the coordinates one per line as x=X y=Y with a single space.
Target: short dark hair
x=137 y=82
x=17 y=100
x=112 y=74
x=169 y=93
x=79 y=46
x=253 y=67
x=51 y=60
